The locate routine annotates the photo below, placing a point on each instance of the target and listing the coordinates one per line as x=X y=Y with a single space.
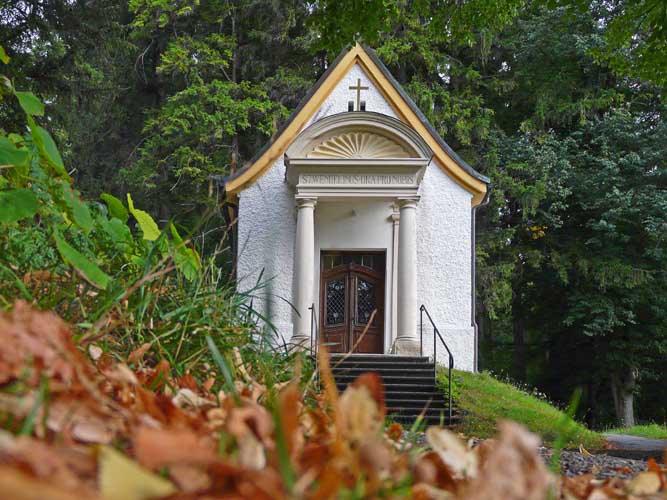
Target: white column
x=407 y=341
x=304 y=267
x=395 y=219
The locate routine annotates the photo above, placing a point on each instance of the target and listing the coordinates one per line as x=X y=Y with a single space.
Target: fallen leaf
x=138 y=354
x=453 y=452
x=186 y=398
x=584 y=451
x=122 y=479
x=513 y=469
x=15 y=484
x=155 y=448
x=645 y=483
x=95 y=352
x=359 y=414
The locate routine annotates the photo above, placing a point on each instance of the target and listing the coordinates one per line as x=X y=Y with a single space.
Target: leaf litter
x=80 y=426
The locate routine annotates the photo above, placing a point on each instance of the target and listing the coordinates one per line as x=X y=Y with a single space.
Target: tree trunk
x=623 y=384
x=519 y=333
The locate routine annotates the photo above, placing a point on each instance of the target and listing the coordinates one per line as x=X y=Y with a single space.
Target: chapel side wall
x=266 y=234
x=444 y=266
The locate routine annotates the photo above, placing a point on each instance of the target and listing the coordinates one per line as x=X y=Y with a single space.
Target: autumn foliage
x=86 y=426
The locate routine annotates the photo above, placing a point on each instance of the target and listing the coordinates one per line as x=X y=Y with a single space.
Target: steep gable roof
x=403 y=106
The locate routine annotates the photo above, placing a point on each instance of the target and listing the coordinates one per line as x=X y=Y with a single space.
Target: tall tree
x=213 y=68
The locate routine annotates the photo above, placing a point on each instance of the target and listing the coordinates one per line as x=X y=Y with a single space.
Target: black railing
x=313 y=335
x=436 y=334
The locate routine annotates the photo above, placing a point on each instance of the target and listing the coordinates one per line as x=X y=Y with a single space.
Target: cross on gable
x=358 y=88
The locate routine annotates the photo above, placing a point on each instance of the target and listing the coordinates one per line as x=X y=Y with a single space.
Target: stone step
x=417 y=410
x=378 y=358
x=409 y=391
x=385 y=372
x=408 y=420
x=414 y=403
x=389 y=380
x=381 y=365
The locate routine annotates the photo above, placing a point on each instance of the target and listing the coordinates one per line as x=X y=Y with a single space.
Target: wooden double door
x=352 y=301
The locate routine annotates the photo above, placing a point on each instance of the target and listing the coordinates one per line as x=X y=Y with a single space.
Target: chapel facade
x=354 y=216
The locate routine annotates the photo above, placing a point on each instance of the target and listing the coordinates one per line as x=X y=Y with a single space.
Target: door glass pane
x=365 y=301
x=335 y=302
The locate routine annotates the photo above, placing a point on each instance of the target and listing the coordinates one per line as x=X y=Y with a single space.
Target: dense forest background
x=560 y=103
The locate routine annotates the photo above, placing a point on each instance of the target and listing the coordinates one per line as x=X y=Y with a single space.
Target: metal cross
x=358 y=88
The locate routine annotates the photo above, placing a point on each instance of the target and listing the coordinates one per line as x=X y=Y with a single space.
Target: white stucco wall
x=443 y=264
x=267 y=228
x=339 y=97
x=266 y=231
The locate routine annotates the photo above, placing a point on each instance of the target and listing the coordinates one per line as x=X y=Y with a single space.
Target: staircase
x=409 y=384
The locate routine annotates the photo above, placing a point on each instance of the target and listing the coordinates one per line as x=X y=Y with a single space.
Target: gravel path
x=573 y=463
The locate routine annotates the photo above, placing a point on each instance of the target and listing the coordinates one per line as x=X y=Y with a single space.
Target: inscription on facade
x=362 y=179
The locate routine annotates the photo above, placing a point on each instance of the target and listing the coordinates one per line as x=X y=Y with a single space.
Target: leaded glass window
x=365 y=300
x=335 y=300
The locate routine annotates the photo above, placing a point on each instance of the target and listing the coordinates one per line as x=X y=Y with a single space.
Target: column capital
x=305 y=202
x=395 y=216
x=407 y=202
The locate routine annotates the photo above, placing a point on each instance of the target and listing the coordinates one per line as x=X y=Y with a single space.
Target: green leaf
x=10 y=154
x=17 y=204
x=88 y=269
x=145 y=221
x=47 y=148
x=78 y=207
x=116 y=229
x=186 y=259
x=3 y=55
x=30 y=103
x=116 y=207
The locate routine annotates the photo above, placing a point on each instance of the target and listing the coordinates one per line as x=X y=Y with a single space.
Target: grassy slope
x=651 y=431
x=487 y=400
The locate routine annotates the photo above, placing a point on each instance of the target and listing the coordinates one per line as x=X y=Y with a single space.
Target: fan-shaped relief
x=354 y=145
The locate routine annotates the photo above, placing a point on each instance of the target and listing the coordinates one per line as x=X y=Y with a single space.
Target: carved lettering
x=362 y=179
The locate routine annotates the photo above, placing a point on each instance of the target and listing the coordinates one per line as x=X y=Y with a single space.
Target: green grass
x=650 y=431
x=488 y=400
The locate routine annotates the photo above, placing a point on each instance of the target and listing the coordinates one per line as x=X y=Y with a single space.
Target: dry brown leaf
x=290 y=407
x=121 y=373
x=95 y=352
x=359 y=414
x=645 y=483
x=460 y=459
x=251 y=418
x=513 y=470
x=186 y=398
x=16 y=484
x=584 y=451
x=189 y=478
x=251 y=452
x=138 y=354
x=373 y=382
x=155 y=448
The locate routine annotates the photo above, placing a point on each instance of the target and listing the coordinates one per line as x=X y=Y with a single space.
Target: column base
x=299 y=343
x=406 y=347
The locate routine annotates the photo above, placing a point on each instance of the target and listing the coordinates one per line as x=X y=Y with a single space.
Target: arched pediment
x=358 y=135
x=357 y=154
x=358 y=145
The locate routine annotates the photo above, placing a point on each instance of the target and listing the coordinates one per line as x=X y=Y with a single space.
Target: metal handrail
x=314 y=334
x=436 y=333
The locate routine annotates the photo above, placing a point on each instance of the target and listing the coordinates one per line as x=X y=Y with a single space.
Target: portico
x=344 y=160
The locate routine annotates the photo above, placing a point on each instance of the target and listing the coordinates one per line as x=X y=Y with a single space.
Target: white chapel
x=357 y=219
